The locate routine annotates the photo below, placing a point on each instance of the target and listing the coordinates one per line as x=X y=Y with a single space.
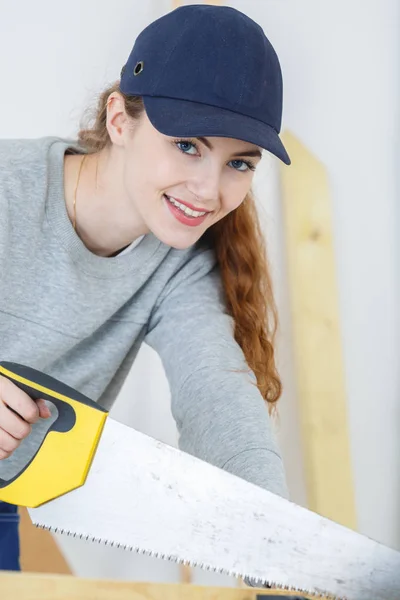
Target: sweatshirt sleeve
x=220 y=414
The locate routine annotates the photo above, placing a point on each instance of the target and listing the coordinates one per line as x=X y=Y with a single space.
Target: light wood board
x=39 y=550
x=16 y=586
x=317 y=334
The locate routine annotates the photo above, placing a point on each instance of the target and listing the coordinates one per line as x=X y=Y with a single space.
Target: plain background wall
x=340 y=61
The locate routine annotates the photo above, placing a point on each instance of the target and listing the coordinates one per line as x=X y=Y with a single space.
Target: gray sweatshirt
x=81 y=318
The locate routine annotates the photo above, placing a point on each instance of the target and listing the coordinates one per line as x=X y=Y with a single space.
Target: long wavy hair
x=241 y=254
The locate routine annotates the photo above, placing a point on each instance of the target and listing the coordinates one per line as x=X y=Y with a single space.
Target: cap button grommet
x=138 y=68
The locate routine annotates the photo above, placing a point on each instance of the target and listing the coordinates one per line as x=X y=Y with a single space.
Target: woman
x=144 y=229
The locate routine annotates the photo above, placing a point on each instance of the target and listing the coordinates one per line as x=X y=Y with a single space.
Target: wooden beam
x=39 y=550
x=317 y=336
x=63 y=587
x=186 y=574
x=176 y=3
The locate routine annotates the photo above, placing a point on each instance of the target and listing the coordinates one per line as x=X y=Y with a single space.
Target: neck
x=106 y=220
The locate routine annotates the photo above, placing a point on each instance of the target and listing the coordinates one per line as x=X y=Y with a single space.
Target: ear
x=118 y=121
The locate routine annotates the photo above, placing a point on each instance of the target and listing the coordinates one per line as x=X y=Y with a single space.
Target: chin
x=171 y=231
x=179 y=244
x=176 y=240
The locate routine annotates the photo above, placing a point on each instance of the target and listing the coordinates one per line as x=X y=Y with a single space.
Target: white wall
x=341 y=68
x=340 y=61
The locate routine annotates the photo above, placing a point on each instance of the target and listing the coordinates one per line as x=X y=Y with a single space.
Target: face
x=180 y=187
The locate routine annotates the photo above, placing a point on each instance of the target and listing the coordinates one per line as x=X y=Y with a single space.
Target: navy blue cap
x=206 y=70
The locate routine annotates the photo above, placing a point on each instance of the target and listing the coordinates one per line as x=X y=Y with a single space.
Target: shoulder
x=24 y=163
x=21 y=154
x=194 y=273
x=14 y=152
x=195 y=262
x=19 y=160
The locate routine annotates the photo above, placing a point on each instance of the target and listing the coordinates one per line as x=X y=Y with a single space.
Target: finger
x=44 y=411
x=15 y=398
x=13 y=424
x=8 y=443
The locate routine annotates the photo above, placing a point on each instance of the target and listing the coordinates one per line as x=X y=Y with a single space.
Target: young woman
x=144 y=229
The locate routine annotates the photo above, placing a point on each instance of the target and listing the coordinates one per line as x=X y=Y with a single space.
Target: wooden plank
x=176 y=3
x=317 y=336
x=186 y=574
x=63 y=587
x=39 y=550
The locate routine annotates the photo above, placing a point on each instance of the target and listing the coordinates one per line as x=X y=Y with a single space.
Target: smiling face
x=180 y=187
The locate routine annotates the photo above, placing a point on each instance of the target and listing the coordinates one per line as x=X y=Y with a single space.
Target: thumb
x=44 y=412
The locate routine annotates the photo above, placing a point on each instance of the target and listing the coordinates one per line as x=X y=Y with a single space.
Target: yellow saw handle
x=63 y=459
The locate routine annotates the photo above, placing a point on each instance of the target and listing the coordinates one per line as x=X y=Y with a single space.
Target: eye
x=242 y=165
x=186 y=146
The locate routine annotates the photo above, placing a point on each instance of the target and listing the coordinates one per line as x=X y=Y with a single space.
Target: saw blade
x=146 y=496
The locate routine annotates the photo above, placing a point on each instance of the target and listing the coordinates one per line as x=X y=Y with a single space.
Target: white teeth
x=188 y=211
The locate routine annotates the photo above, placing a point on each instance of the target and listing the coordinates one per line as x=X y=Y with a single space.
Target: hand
x=17 y=414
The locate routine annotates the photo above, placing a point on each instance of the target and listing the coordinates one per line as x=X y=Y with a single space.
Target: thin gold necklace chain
x=76 y=188
x=77 y=184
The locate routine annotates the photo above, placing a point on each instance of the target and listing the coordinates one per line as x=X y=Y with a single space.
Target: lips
x=184 y=213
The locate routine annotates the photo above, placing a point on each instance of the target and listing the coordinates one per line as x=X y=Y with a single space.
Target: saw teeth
x=260 y=583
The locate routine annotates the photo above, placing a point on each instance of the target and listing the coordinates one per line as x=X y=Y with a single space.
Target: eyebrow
x=207 y=143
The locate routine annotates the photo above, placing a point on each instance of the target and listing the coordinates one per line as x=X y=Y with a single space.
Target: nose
x=205 y=184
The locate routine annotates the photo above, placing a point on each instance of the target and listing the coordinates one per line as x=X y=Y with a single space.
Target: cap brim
x=191 y=119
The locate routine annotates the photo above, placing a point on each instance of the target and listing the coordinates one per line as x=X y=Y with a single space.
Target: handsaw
x=97 y=479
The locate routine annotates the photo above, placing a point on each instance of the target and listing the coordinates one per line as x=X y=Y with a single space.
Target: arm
x=220 y=414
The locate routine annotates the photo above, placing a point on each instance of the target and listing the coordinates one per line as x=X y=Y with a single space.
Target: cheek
x=142 y=176
x=159 y=174
x=234 y=192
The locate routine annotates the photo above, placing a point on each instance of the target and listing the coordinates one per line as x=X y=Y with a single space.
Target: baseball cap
x=205 y=70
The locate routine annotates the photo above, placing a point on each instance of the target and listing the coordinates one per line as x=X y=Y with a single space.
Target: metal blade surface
x=144 y=495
